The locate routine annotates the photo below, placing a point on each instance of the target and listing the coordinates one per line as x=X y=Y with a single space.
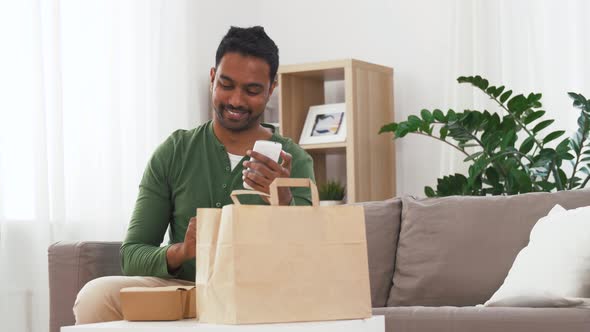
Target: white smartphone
x=268 y=148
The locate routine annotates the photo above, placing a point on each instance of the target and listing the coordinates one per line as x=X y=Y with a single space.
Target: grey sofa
x=431 y=262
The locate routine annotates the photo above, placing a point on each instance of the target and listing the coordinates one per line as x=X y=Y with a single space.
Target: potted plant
x=331 y=193
x=508 y=152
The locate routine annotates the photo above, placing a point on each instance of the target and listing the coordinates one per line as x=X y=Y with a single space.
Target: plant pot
x=331 y=203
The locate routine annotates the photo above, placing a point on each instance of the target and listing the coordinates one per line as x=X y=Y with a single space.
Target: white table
x=373 y=324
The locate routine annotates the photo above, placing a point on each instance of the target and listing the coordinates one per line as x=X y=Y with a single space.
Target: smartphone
x=268 y=148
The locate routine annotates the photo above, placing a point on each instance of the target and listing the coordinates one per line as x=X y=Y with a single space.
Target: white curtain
x=529 y=46
x=88 y=89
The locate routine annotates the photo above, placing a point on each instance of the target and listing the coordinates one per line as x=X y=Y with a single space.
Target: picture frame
x=324 y=124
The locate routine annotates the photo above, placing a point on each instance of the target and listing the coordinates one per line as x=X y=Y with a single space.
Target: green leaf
x=452 y=185
x=553 y=136
x=534 y=97
x=492 y=176
x=562 y=176
x=490 y=122
x=464 y=79
x=579 y=101
x=429 y=192
x=547 y=154
x=575 y=181
x=533 y=116
x=509 y=139
x=567 y=156
x=534 y=100
x=542 y=125
x=451 y=116
x=484 y=84
x=505 y=96
x=391 y=127
x=498 y=91
x=583 y=122
x=546 y=186
x=495 y=140
x=414 y=119
x=574 y=143
x=527 y=145
x=507 y=124
x=444 y=132
x=426 y=116
x=518 y=104
x=425 y=128
x=563 y=147
x=522 y=180
x=473 y=156
x=414 y=122
x=402 y=130
x=438 y=115
x=478 y=82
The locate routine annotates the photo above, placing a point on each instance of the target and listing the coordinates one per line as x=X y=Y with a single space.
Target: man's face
x=240 y=89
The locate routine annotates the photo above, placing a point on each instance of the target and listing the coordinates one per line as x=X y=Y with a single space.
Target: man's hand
x=263 y=171
x=179 y=253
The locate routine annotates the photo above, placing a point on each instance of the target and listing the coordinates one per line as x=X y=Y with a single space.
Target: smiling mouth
x=236 y=114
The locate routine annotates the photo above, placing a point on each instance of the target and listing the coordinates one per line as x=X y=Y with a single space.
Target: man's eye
x=226 y=86
x=253 y=92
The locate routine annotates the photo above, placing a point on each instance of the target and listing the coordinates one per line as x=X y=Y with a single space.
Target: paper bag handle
x=234 y=195
x=274 y=192
x=293 y=182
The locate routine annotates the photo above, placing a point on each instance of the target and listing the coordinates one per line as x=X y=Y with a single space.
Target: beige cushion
x=382 y=220
x=458 y=250
x=553 y=270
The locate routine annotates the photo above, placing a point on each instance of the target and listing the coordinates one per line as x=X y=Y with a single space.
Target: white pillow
x=535 y=301
x=553 y=270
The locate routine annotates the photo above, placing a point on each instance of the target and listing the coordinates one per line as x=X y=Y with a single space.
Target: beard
x=239 y=119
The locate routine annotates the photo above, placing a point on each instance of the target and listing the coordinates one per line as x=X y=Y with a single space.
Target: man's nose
x=237 y=98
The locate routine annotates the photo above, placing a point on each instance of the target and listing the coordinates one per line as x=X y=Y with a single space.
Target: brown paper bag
x=268 y=264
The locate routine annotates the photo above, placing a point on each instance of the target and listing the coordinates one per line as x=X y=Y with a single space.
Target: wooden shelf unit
x=368 y=94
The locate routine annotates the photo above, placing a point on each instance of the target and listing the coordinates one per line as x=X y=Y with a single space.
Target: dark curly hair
x=251 y=41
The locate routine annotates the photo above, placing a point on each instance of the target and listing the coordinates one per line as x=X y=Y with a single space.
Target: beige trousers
x=99 y=300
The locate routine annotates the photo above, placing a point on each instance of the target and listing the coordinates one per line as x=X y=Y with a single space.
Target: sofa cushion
x=553 y=270
x=382 y=223
x=478 y=319
x=458 y=250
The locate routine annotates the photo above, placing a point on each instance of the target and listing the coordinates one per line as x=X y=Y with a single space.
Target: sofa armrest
x=71 y=265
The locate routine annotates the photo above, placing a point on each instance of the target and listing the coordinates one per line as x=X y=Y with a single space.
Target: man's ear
x=211 y=78
x=274 y=84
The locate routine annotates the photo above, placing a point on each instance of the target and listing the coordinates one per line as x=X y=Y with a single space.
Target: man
x=199 y=168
